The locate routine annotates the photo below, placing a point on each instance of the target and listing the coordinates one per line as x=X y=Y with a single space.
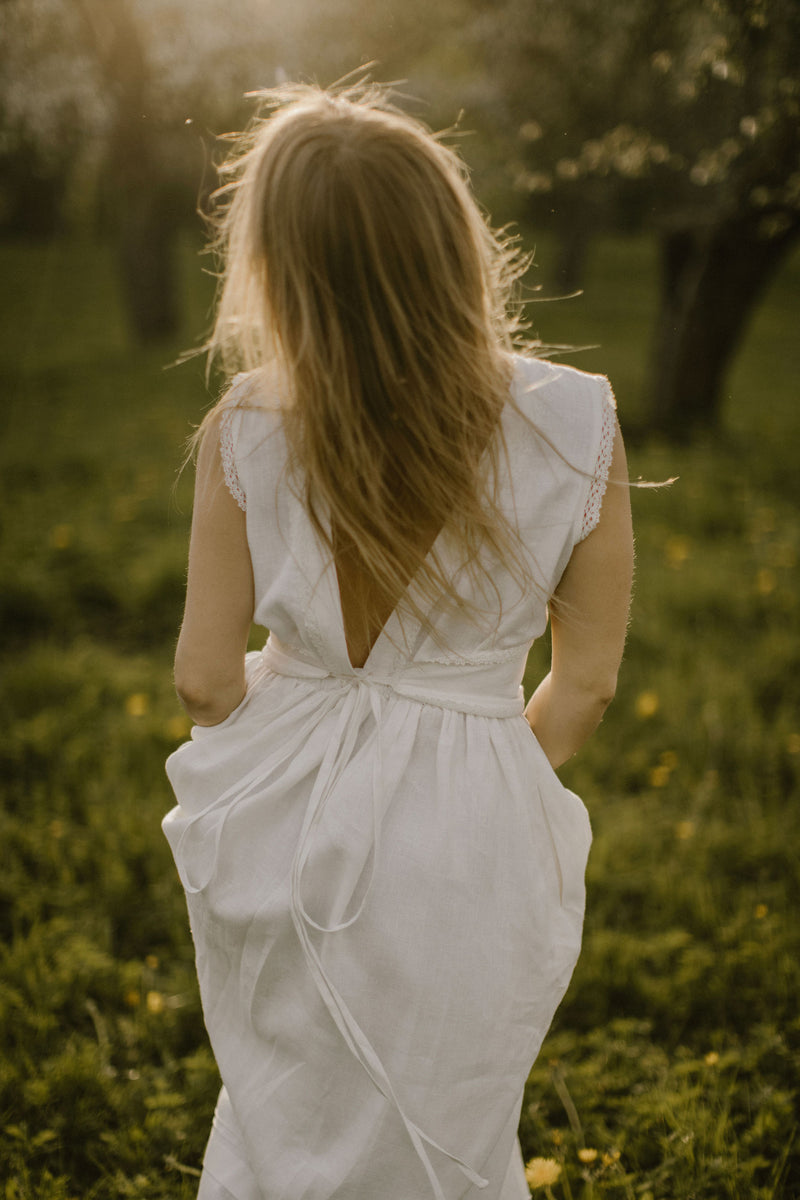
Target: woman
x=383 y=872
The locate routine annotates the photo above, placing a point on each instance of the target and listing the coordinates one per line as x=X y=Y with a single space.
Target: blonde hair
x=356 y=258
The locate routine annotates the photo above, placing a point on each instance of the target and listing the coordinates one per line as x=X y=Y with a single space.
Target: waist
x=484 y=688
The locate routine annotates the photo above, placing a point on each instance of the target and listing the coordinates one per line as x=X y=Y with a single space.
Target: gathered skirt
x=386 y=898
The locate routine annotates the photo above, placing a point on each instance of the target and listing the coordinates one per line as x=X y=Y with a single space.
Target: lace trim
x=597 y=489
x=226 y=453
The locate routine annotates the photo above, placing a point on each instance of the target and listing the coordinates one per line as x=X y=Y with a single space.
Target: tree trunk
x=711 y=281
x=146 y=250
x=143 y=214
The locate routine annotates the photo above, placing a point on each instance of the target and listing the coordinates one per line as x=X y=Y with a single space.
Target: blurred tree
x=117 y=81
x=684 y=115
x=127 y=87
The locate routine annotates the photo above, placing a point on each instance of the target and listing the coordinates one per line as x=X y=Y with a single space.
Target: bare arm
x=588 y=626
x=209 y=662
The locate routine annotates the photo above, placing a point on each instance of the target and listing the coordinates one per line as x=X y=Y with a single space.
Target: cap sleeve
x=228 y=433
x=227 y=452
x=602 y=461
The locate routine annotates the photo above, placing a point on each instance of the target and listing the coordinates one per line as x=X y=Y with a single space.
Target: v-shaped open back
x=364 y=612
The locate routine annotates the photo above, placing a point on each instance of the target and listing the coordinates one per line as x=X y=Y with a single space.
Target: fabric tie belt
x=482 y=688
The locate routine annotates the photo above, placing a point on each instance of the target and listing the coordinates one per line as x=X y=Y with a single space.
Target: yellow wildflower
x=137 y=704
x=647 y=704
x=178 y=728
x=541 y=1172
x=61 y=536
x=151 y=962
x=677 y=550
x=760 y=911
x=587 y=1155
x=711 y=1059
x=766 y=581
x=155 y=1002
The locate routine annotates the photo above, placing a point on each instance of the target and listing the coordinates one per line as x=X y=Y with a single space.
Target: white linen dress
x=384 y=875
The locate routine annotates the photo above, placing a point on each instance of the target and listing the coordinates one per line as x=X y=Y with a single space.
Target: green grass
x=675 y=1055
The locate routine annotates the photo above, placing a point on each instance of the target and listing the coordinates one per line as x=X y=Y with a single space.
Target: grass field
x=672 y=1071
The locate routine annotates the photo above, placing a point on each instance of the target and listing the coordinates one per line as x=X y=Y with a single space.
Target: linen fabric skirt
x=384 y=879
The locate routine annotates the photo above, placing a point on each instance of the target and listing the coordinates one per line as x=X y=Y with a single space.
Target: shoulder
x=571 y=409
x=246 y=420
x=255 y=394
x=537 y=381
x=249 y=412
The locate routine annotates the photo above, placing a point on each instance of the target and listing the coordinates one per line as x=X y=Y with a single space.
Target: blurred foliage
x=681 y=117
x=645 y=112
x=630 y=112
x=672 y=1068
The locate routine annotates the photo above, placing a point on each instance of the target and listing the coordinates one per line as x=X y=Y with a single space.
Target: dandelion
x=610 y=1157
x=659 y=776
x=178 y=728
x=587 y=1155
x=760 y=911
x=647 y=705
x=151 y=962
x=137 y=704
x=542 y=1172
x=133 y=999
x=677 y=550
x=766 y=581
x=711 y=1059
x=61 y=536
x=155 y=1002
x=684 y=830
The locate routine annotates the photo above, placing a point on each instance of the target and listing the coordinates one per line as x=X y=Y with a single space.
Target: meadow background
x=623 y=137
x=672 y=1067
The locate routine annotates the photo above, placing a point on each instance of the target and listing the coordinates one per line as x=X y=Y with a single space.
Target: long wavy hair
x=356 y=260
